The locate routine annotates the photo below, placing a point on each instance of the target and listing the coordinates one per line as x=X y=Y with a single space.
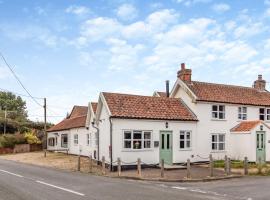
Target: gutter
x=93 y=125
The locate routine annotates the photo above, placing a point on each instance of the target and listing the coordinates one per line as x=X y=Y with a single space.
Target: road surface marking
x=198 y=190
x=61 y=188
x=179 y=188
x=18 y=175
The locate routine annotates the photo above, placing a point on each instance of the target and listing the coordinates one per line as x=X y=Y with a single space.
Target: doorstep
x=168 y=167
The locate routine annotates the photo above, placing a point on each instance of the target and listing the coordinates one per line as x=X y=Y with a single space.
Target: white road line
x=198 y=190
x=61 y=188
x=18 y=175
x=179 y=188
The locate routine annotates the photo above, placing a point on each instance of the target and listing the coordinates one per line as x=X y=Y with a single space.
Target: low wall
x=4 y=150
x=21 y=148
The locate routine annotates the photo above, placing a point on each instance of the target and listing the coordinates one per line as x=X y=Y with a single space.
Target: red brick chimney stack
x=260 y=83
x=184 y=74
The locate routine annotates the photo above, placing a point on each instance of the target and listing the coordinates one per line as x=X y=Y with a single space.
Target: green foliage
x=31 y=138
x=9 y=140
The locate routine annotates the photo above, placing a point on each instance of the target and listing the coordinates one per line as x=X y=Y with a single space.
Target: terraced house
x=191 y=121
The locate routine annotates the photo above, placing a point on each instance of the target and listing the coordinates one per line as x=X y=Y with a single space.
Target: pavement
x=27 y=182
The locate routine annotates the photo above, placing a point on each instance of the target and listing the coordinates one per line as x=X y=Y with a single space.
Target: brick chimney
x=259 y=84
x=184 y=74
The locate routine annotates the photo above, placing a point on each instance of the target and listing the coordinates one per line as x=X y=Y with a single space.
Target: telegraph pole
x=45 y=122
x=5 y=124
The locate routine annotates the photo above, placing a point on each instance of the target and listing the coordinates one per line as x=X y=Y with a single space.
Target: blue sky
x=70 y=50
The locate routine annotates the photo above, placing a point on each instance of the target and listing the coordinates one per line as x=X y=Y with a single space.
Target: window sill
x=218 y=119
x=185 y=149
x=136 y=150
x=218 y=151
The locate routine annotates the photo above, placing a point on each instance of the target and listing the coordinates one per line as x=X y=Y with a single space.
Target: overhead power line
x=23 y=95
x=19 y=81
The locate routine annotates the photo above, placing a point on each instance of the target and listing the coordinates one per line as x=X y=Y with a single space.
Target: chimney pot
x=184 y=74
x=183 y=66
x=260 y=83
x=167 y=88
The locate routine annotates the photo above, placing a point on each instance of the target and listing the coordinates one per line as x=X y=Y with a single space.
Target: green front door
x=166 y=147
x=260 y=146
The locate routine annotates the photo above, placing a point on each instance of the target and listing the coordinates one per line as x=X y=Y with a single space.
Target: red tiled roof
x=76 y=119
x=78 y=111
x=75 y=122
x=229 y=94
x=94 y=106
x=147 y=107
x=245 y=126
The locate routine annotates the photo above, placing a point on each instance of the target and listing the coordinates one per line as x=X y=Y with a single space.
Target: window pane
x=239 y=109
x=182 y=144
x=221 y=115
x=214 y=138
x=127 y=135
x=127 y=144
x=268 y=117
x=188 y=144
x=214 y=115
x=182 y=136
x=137 y=144
x=244 y=116
x=147 y=135
x=214 y=146
x=239 y=116
x=214 y=108
x=221 y=146
x=262 y=117
x=261 y=110
x=221 y=138
x=244 y=109
x=147 y=144
x=137 y=135
x=221 y=108
x=268 y=111
x=168 y=141
x=162 y=141
x=188 y=135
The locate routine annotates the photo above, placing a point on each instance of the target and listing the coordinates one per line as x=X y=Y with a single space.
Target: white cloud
x=78 y=10
x=221 y=7
x=267 y=12
x=192 y=2
x=249 y=29
x=100 y=28
x=127 y=12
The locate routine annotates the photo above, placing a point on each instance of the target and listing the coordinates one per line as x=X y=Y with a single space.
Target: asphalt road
x=26 y=182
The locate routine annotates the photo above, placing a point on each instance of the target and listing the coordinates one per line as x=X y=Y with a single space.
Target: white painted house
x=192 y=121
x=75 y=133
x=197 y=119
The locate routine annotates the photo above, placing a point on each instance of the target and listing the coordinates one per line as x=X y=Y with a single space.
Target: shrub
x=31 y=138
x=20 y=139
x=7 y=141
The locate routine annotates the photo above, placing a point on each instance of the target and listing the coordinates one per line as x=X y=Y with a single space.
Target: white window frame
x=142 y=140
x=266 y=114
x=185 y=140
x=242 y=115
x=76 y=139
x=218 y=141
x=218 y=111
x=51 y=142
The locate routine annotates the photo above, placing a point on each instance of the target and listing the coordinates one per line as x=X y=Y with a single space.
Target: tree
x=16 y=112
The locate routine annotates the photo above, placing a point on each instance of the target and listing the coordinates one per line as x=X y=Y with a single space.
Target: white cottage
x=219 y=108
x=75 y=133
x=133 y=126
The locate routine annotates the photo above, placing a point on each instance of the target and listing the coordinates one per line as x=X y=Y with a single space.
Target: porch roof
x=247 y=126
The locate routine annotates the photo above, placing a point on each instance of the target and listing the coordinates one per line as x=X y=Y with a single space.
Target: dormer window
x=242 y=113
x=264 y=114
x=218 y=112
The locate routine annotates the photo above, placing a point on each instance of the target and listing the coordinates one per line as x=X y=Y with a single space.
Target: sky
x=71 y=50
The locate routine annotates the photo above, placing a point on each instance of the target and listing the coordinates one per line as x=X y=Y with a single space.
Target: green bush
x=7 y=141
